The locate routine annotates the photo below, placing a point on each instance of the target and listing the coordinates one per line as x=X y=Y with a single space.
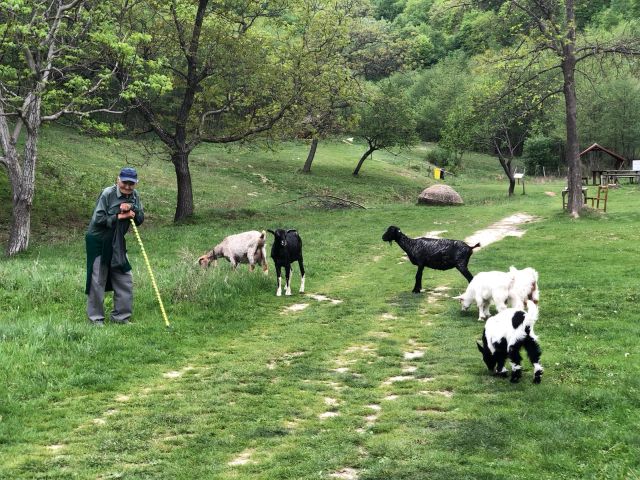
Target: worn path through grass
x=333 y=379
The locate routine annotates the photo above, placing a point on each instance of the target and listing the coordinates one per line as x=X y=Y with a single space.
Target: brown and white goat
x=246 y=247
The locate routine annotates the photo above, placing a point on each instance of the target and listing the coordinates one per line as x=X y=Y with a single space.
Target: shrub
x=441 y=157
x=542 y=151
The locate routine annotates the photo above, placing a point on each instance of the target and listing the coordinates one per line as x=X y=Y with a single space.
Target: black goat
x=436 y=253
x=286 y=249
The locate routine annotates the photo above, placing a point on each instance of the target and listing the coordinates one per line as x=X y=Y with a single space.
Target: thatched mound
x=440 y=195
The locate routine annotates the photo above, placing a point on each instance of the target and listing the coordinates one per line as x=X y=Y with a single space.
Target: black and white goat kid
x=436 y=253
x=504 y=335
x=286 y=249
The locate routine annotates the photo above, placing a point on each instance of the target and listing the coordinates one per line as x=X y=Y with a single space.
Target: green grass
x=82 y=402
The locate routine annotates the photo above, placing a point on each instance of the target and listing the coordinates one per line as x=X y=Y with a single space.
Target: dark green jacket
x=106 y=232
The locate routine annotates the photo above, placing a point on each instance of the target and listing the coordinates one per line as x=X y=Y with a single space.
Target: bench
x=612 y=176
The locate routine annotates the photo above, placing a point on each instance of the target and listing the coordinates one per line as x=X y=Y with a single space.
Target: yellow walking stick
x=153 y=279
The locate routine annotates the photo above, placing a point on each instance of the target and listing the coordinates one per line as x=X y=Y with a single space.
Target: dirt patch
x=413 y=355
x=326 y=415
x=398 y=378
x=345 y=474
x=242 y=459
x=296 y=307
x=443 y=393
x=324 y=298
x=55 y=448
x=507 y=227
x=176 y=374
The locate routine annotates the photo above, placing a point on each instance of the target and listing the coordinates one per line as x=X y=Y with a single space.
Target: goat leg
x=287 y=271
x=279 y=280
x=301 y=265
x=418 y=286
x=516 y=360
x=465 y=272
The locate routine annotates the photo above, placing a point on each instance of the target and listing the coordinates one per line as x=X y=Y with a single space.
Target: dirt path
x=507 y=227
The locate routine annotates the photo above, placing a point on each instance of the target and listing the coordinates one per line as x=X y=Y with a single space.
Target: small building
x=596 y=158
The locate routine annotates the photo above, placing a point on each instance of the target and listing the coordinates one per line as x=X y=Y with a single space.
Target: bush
x=441 y=157
x=542 y=151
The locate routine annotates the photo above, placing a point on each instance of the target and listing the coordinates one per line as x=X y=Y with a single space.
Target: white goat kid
x=524 y=287
x=246 y=247
x=514 y=287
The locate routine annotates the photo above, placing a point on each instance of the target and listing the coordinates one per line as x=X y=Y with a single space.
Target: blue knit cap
x=128 y=174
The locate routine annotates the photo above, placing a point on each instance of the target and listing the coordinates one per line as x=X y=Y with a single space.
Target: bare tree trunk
x=184 y=205
x=362 y=159
x=575 y=199
x=310 y=157
x=506 y=166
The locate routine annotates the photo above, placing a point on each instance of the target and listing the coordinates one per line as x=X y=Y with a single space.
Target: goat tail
x=532 y=312
x=477 y=245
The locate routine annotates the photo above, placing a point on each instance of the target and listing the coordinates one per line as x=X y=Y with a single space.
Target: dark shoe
x=97 y=323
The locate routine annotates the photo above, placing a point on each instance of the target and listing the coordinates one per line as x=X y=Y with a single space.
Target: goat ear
x=292 y=230
x=480 y=346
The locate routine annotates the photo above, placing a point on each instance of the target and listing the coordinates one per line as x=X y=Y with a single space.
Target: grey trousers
x=122 y=284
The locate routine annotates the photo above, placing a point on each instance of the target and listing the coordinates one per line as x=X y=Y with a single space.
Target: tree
x=237 y=70
x=57 y=58
x=499 y=127
x=610 y=113
x=386 y=120
x=550 y=27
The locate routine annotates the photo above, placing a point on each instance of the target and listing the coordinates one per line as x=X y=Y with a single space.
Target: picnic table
x=565 y=191
x=612 y=176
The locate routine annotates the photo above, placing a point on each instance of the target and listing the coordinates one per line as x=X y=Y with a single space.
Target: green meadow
x=383 y=384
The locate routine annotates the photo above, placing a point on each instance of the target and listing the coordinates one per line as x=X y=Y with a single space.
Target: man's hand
x=125 y=207
x=126 y=215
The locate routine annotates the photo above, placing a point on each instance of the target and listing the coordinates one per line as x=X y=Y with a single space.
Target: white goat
x=515 y=287
x=246 y=247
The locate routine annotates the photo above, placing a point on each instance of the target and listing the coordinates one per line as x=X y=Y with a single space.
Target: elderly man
x=108 y=267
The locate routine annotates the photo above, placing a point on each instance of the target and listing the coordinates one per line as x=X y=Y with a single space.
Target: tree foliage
x=386 y=120
x=57 y=58
x=238 y=69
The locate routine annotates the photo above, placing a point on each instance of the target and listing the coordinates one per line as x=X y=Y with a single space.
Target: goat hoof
x=537 y=378
x=278 y=294
x=288 y=294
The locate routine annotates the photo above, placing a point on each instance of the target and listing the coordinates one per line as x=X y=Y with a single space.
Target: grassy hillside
x=73 y=169
x=385 y=384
